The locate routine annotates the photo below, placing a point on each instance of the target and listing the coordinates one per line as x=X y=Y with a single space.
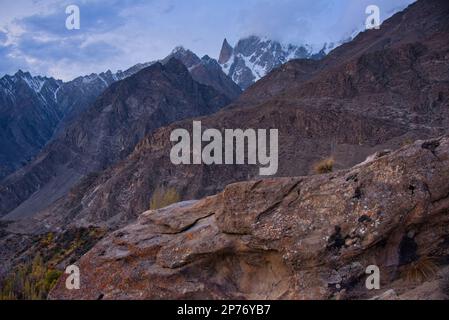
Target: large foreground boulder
x=288 y=238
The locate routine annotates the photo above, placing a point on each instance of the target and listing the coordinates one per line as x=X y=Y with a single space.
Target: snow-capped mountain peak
x=254 y=57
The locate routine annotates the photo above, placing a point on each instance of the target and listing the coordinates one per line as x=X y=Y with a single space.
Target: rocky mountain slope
x=381 y=91
x=290 y=238
x=253 y=57
x=206 y=71
x=29 y=114
x=108 y=132
x=35 y=109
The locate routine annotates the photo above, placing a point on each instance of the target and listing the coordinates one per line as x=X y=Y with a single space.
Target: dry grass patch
x=324 y=166
x=421 y=270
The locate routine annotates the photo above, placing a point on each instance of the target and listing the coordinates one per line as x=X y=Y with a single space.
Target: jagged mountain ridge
x=206 y=71
x=254 y=57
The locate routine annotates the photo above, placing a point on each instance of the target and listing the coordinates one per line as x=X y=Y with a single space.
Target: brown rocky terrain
x=387 y=88
x=288 y=238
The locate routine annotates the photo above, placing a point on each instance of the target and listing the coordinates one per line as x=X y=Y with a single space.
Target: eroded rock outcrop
x=288 y=238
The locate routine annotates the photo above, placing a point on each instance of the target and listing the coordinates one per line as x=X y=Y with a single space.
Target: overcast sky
x=116 y=34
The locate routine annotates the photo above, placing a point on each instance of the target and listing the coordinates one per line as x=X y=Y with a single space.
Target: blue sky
x=116 y=34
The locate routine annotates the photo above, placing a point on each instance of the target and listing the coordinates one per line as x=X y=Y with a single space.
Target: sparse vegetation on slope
x=162 y=198
x=40 y=269
x=30 y=281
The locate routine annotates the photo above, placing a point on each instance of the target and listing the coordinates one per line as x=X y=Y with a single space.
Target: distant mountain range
x=109 y=129
x=253 y=57
x=34 y=109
